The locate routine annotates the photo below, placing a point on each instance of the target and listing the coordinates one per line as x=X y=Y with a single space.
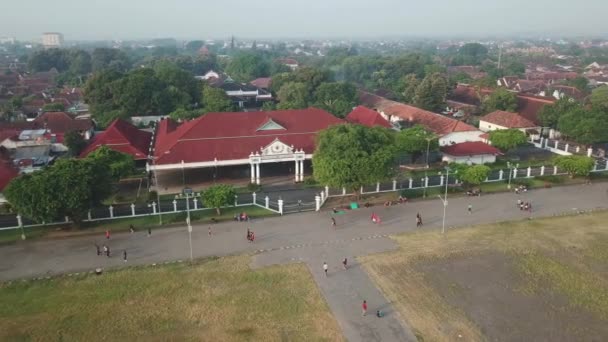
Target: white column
x=541 y=142
x=326 y=191
x=280 y=206
x=111 y=211
x=555 y=170
x=556 y=142
x=411 y=183
x=578 y=149
x=195 y=200
x=236 y=202
x=255 y=196
x=378 y=187
x=317 y=203
x=252 y=173
x=89 y=215
x=257 y=173
x=542 y=170
x=500 y=174
x=267 y=202
x=19 y=221
x=153 y=207
x=297 y=171
x=426 y=182
x=322 y=196
x=67 y=219
x=441 y=180
x=529 y=171
x=567 y=145
x=132 y=209
x=344 y=191
x=589 y=152
x=174 y=205
x=394 y=185
x=301 y=170
x=514 y=172
x=606 y=166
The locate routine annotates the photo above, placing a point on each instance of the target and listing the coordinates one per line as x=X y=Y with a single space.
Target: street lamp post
x=428 y=145
x=160 y=214
x=511 y=167
x=445 y=198
x=188 y=192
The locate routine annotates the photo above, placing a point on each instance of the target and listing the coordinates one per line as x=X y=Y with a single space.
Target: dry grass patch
x=216 y=300
x=562 y=258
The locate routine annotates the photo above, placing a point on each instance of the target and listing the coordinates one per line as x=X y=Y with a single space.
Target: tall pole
x=428 y=145
x=160 y=213
x=445 y=199
x=189 y=225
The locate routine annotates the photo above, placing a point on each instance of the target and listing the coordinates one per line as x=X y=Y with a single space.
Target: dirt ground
x=529 y=280
x=488 y=288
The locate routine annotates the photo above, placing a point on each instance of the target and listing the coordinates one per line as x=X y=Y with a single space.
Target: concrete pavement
x=306 y=237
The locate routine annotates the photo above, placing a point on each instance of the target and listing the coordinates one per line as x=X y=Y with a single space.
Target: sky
x=205 y=19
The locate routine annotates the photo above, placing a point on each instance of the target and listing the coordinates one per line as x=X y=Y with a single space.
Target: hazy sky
x=189 y=19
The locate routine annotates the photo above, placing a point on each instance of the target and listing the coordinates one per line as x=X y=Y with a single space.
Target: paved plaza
x=307 y=238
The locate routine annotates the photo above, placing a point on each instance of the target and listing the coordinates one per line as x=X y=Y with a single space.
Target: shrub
x=253 y=187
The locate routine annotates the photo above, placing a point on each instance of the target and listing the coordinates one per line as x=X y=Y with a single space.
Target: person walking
x=124 y=255
x=149 y=231
x=345 y=263
x=325 y=267
x=107 y=234
x=131 y=229
x=364 y=308
x=418 y=220
x=333 y=222
x=105 y=249
x=519 y=201
x=210 y=231
x=470 y=209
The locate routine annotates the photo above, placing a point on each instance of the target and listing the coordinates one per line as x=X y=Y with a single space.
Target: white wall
x=486 y=126
x=474 y=159
x=460 y=137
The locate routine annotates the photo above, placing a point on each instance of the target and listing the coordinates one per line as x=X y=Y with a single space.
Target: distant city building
x=7 y=40
x=52 y=40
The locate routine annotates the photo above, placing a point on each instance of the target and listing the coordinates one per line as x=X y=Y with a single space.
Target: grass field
x=141 y=222
x=215 y=300
x=545 y=279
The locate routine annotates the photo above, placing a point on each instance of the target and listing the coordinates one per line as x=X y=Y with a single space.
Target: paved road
x=305 y=237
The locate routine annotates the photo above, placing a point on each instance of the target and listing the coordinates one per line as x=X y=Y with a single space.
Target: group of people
x=521 y=188
x=524 y=206
x=106 y=249
x=241 y=217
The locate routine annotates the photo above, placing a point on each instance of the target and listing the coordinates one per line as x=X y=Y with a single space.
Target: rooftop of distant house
x=507 y=119
x=470 y=148
x=364 y=116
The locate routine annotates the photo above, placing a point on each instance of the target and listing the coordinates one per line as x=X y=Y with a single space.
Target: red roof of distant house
x=7 y=173
x=287 y=61
x=61 y=123
x=123 y=137
x=367 y=117
x=262 y=82
x=469 y=148
x=507 y=119
x=529 y=106
x=230 y=136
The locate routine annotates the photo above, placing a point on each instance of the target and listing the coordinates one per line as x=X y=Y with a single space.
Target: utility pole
x=499 y=55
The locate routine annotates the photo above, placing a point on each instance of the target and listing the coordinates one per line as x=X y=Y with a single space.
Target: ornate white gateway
x=277 y=152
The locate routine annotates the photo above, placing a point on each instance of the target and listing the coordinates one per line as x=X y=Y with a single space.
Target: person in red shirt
x=107 y=234
x=364 y=307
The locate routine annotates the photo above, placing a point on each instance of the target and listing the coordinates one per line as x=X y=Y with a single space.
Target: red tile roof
x=529 y=106
x=61 y=123
x=7 y=173
x=262 y=82
x=123 y=137
x=470 y=148
x=367 y=117
x=507 y=119
x=229 y=136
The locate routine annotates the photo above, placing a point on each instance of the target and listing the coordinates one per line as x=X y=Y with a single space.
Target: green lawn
x=142 y=222
x=214 y=300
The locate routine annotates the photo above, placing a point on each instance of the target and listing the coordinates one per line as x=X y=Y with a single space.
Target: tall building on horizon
x=52 y=40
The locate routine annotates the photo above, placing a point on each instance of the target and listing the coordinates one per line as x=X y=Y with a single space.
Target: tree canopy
x=500 y=99
x=120 y=164
x=352 y=156
x=551 y=113
x=474 y=174
x=217 y=196
x=507 y=139
x=293 y=95
x=338 y=98
x=575 y=165
x=431 y=93
x=74 y=142
x=216 y=100
x=247 y=66
x=68 y=188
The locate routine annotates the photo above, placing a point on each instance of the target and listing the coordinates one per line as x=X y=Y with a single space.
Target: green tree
x=584 y=126
x=550 y=114
x=142 y=93
x=218 y=196
x=409 y=83
x=194 y=45
x=99 y=91
x=68 y=188
x=575 y=165
x=500 y=99
x=507 y=139
x=599 y=98
x=471 y=54
x=107 y=58
x=278 y=80
x=53 y=107
x=182 y=114
x=431 y=93
x=182 y=86
x=269 y=106
x=120 y=164
x=352 y=156
x=311 y=77
x=416 y=140
x=338 y=98
x=293 y=95
x=581 y=83
x=216 y=100
x=474 y=175
x=247 y=66
x=74 y=142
